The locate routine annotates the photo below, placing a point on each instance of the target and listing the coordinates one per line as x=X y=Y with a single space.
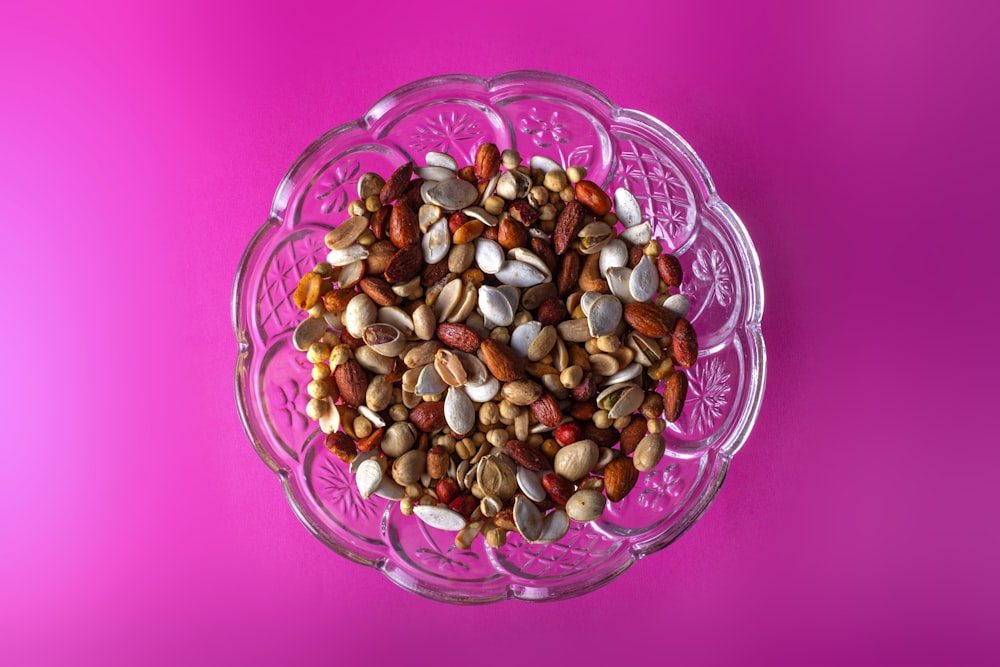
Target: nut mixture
x=487 y=341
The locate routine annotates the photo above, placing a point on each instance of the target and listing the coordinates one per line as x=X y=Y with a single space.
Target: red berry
x=568 y=433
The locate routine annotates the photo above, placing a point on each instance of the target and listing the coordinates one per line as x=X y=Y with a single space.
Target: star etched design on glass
x=447 y=558
x=341 y=187
x=659 y=190
x=576 y=550
x=662 y=488
x=446 y=132
x=343 y=491
x=294 y=258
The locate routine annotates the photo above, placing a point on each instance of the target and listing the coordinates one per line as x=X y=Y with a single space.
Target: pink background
x=139 y=149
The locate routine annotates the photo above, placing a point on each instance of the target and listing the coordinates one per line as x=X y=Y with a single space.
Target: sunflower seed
x=520 y=274
x=495 y=307
x=638 y=235
x=489 y=255
x=605 y=315
x=678 y=304
x=441 y=518
x=644 y=280
x=614 y=253
x=527 y=517
x=433 y=173
x=522 y=336
x=530 y=483
x=452 y=195
x=436 y=242
x=368 y=477
x=554 y=527
x=459 y=412
x=627 y=208
x=436 y=159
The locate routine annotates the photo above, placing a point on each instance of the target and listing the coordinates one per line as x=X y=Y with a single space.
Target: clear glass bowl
x=538 y=113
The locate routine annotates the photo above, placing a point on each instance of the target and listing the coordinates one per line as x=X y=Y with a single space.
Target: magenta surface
x=139 y=151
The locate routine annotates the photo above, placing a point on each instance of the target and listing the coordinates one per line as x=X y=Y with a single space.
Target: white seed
x=389 y=489
x=459 y=412
x=605 y=315
x=361 y=458
x=513 y=296
x=644 y=280
x=368 y=477
x=451 y=195
x=490 y=188
x=433 y=173
x=485 y=391
x=638 y=235
x=527 y=517
x=495 y=307
x=308 y=332
x=618 y=279
x=436 y=243
x=429 y=382
x=520 y=274
x=482 y=215
x=678 y=304
x=630 y=372
x=523 y=335
x=349 y=255
x=371 y=416
x=436 y=159
x=427 y=215
x=614 y=253
x=627 y=208
x=528 y=257
x=587 y=300
x=554 y=527
x=489 y=255
x=530 y=483
x=585 y=505
x=441 y=518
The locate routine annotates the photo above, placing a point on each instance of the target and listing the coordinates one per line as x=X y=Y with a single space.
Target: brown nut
x=546 y=410
x=379 y=291
x=308 y=291
x=632 y=434
x=649 y=319
x=526 y=455
x=397 y=183
x=685 y=343
x=428 y=416
x=405 y=264
x=458 y=336
x=487 y=162
x=502 y=361
x=674 y=394
x=593 y=197
x=404 y=228
x=670 y=270
x=352 y=382
x=567 y=226
x=512 y=234
x=559 y=488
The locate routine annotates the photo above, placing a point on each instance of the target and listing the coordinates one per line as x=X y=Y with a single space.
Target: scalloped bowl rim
x=751 y=324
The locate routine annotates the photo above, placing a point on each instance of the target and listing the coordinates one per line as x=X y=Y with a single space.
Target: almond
x=685 y=343
x=352 y=382
x=674 y=394
x=567 y=226
x=593 y=197
x=635 y=255
x=380 y=220
x=379 y=291
x=411 y=196
x=558 y=487
x=632 y=434
x=569 y=274
x=551 y=312
x=397 y=183
x=670 y=270
x=526 y=455
x=341 y=445
x=404 y=228
x=434 y=272
x=503 y=362
x=405 y=264
x=487 y=162
x=428 y=416
x=511 y=234
x=620 y=477
x=649 y=319
x=546 y=410
x=458 y=337
x=544 y=250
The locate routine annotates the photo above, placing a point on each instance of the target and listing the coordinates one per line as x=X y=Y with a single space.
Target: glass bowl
x=538 y=113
